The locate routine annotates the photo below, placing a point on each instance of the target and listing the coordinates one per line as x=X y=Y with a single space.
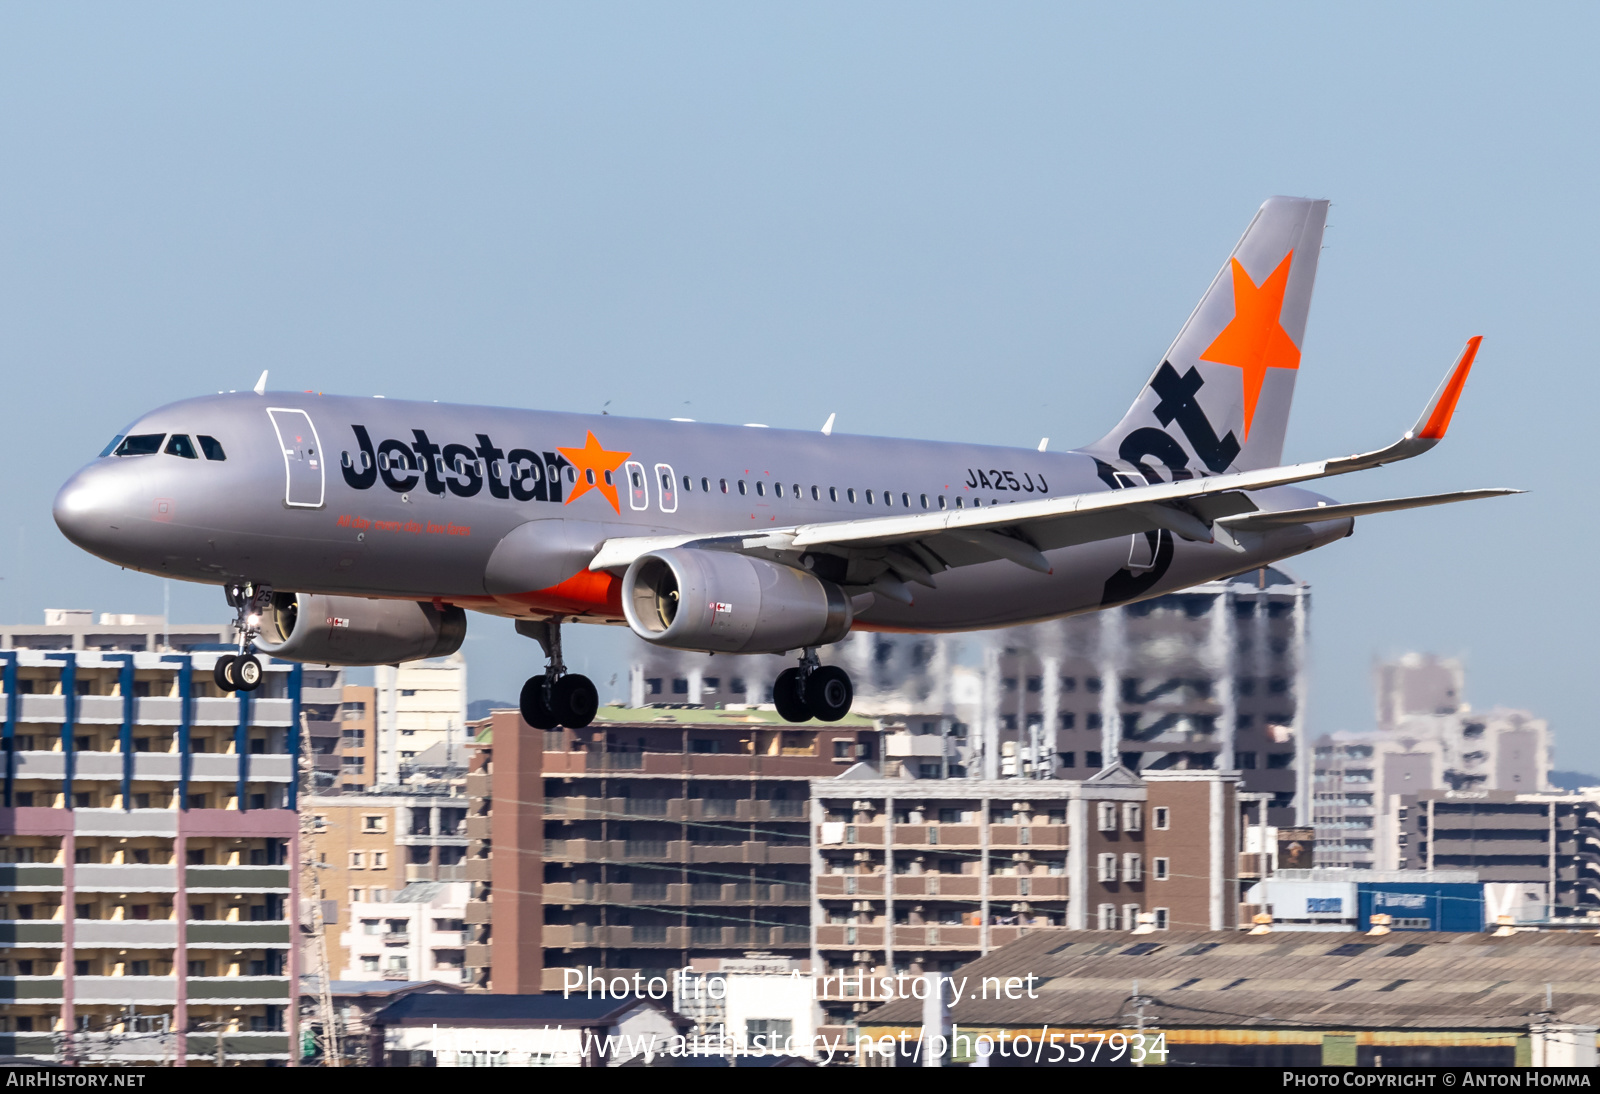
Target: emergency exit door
x=302 y=458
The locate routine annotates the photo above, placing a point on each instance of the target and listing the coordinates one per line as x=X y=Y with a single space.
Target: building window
x=372 y=822
x=380 y=860
x=1108 y=868
x=371 y=926
x=369 y=963
x=1108 y=917
x=1162 y=818
x=358 y=860
x=1247 y=761
x=1163 y=919
x=1132 y=816
x=1132 y=868
x=1130 y=916
x=1107 y=816
x=1159 y=868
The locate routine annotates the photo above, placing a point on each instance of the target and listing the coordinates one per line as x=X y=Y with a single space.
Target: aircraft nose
x=89 y=508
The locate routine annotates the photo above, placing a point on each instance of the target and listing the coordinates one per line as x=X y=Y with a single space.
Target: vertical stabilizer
x=1220 y=399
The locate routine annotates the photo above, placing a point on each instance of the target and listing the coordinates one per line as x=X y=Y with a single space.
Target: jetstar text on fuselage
x=466 y=470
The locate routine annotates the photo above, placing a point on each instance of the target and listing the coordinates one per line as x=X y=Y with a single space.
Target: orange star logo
x=1254 y=341
x=593 y=466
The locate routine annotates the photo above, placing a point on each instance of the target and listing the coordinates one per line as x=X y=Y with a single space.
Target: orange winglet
x=1450 y=394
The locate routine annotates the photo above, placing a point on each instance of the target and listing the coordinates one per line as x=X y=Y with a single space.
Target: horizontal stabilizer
x=1254 y=521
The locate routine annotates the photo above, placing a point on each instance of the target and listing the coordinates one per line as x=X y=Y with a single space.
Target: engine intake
x=352 y=630
x=724 y=602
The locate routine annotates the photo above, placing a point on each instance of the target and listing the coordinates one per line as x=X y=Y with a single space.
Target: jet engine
x=723 y=602
x=352 y=630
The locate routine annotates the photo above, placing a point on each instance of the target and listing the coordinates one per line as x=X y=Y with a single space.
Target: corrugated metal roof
x=1403 y=980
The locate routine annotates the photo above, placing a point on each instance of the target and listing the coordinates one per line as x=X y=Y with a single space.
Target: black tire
x=534 y=710
x=829 y=694
x=788 y=695
x=222 y=672
x=574 y=701
x=247 y=672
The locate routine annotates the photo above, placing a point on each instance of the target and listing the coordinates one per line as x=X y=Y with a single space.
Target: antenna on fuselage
x=261 y=384
x=827 y=426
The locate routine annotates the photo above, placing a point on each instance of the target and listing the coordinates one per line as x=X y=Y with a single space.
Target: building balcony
x=30 y=932
x=476 y=869
x=1028 y=835
x=124 y=934
x=839 y=936
x=397 y=938
x=123 y=990
x=850 y=885
x=478 y=911
x=236 y=879
x=30 y=876
x=480 y=955
x=240 y=1046
x=221 y=934
x=31 y=989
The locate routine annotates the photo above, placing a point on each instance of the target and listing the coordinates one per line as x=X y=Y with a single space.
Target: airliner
x=360 y=531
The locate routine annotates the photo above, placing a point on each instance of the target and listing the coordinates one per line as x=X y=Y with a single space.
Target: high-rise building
x=925 y=876
x=341 y=741
x=421 y=710
x=1427 y=738
x=650 y=840
x=1212 y=678
x=149 y=826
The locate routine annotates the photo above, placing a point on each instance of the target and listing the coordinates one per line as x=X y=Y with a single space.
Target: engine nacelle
x=352 y=630
x=723 y=602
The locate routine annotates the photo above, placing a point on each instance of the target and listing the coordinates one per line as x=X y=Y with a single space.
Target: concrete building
x=913 y=876
x=756 y=1003
x=420 y=705
x=645 y=842
x=83 y=630
x=341 y=737
x=370 y=848
x=1427 y=738
x=1529 y=999
x=148 y=825
x=1548 y=840
x=1212 y=678
x=419 y=933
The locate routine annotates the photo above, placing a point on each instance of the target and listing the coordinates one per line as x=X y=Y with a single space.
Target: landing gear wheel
x=829 y=694
x=534 y=710
x=789 y=696
x=246 y=672
x=574 y=701
x=222 y=672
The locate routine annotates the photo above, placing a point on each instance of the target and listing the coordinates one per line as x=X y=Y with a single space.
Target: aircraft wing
x=915 y=546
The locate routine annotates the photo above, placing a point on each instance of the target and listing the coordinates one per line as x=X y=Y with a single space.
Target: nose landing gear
x=242 y=671
x=813 y=690
x=555 y=697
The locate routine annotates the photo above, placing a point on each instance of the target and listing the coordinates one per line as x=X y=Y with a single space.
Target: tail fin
x=1220 y=399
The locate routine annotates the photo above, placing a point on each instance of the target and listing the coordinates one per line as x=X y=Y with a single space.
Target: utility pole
x=1139 y=1003
x=332 y=1054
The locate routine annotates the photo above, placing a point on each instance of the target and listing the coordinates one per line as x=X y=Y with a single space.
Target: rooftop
x=1224 y=979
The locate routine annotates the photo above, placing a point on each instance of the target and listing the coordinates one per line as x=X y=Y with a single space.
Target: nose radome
x=87 y=507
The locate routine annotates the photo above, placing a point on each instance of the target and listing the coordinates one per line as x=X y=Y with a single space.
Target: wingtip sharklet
x=1435 y=420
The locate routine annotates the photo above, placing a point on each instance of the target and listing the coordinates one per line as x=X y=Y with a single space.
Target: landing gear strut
x=812 y=690
x=556 y=697
x=242 y=671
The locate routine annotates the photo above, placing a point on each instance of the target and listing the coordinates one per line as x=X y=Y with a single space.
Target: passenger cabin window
x=143 y=444
x=851 y=494
x=181 y=445
x=761 y=489
x=669 y=497
x=724 y=483
x=741 y=486
x=833 y=493
x=869 y=497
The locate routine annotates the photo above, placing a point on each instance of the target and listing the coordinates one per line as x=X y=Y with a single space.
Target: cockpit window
x=212 y=448
x=108 y=449
x=181 y=445
x=141 y=444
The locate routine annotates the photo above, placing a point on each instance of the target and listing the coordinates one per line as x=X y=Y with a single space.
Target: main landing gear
x=242 y=671
x=813 y=690
x=555 y=697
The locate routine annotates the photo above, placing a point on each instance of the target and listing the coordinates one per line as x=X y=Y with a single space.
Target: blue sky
x=951 y=221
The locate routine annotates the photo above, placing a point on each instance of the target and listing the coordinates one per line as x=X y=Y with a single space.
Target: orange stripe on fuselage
x=1439 y=420
x=587 y=592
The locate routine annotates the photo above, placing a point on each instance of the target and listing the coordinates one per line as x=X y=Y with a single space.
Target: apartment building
x=1550 y=840
x=370 y=848
x=1212 y=678
x=421 y=708
x=1427 y=738
x=649 y=840
x=914 y=876
x=341 y=731
x=148 y=823
x=418 y=934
